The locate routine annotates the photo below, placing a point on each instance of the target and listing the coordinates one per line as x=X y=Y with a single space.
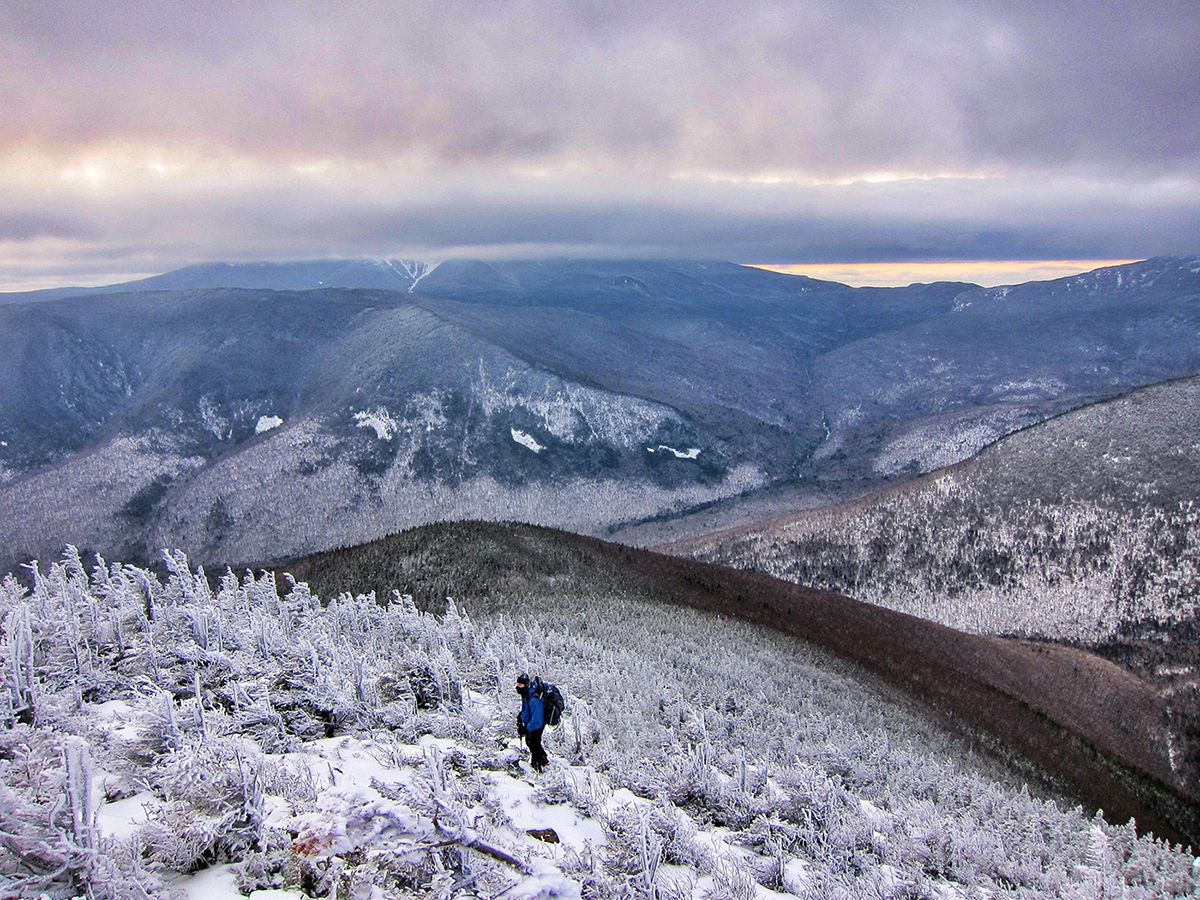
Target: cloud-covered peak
x=153 y=131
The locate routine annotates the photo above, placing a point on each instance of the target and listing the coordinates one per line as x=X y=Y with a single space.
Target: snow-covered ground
x=176 y=740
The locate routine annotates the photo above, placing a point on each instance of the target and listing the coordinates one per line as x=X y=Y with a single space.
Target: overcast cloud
x=135 y=136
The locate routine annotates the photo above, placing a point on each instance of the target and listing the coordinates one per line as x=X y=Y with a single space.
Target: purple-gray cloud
x=178 y=132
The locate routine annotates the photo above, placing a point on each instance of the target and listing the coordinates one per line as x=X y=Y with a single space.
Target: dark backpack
x=553 y=702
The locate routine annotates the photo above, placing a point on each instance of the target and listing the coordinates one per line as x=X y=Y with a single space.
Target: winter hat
x=522 y=678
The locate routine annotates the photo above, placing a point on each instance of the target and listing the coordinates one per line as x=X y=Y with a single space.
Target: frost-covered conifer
x=717 y=759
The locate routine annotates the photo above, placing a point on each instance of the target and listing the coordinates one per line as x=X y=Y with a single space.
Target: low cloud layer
x=140 y=135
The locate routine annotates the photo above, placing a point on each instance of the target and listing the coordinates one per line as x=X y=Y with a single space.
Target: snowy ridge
x=277 y=746
x=1170 y=273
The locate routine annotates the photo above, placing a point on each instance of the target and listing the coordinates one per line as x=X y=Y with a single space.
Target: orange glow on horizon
x=988 y=273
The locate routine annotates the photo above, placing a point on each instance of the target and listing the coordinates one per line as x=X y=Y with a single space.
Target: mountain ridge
x=533 y=390
x=1081 y=720
x=384 y=274
x=1081 y=528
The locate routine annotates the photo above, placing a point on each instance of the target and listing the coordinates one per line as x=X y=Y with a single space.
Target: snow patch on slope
x=213 y=420
x=690 y=453
x=573 y=413
x=378 y=419
x=526 y=440
x=1030 y=389
x=414 y=269
x=938 y=443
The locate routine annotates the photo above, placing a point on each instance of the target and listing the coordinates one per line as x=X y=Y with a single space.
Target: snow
x=351 y=813
x=515 y=796
x=221 y=883
x=378 y=419
x=213 y=420
x=526 y=440
x=117 y=717
x=872 y=814
x=447 y=794
x=1031 y=389
x=796 y=878
x=266 y=423
x=570 y=412
x=122 y=819
x=414 y=269
x=690 y=453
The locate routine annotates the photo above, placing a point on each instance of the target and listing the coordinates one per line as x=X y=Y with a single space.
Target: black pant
x=537 y=756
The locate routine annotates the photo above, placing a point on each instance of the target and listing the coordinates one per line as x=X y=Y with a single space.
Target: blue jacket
x=533 y=714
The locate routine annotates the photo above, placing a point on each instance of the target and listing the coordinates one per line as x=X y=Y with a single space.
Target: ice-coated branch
x=172 y=725
x=78 y=763
x=473 y=843
x=22 y=675
x=650 y=849
x=203 y=722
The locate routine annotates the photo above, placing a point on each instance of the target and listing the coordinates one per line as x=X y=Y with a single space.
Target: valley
x=248 y=425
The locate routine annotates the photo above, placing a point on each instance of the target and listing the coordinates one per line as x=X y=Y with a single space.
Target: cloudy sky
x=140 y=135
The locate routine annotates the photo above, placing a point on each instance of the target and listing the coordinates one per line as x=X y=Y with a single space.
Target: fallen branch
x=35 y=855
x=487 y=850
x=21 y=888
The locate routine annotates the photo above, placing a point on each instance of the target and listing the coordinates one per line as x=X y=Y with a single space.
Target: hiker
x=531 y=720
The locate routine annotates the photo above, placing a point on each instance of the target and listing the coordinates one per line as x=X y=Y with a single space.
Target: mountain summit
x=383 y=274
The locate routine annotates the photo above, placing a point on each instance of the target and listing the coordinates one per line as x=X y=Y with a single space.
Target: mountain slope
x=382 y=274
x=1081 y=527
x=1090 y=726
x=167 y=737
x=241 y=418
x=246 y=425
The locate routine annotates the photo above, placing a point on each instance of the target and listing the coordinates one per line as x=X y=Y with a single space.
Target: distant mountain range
x=248 y=413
